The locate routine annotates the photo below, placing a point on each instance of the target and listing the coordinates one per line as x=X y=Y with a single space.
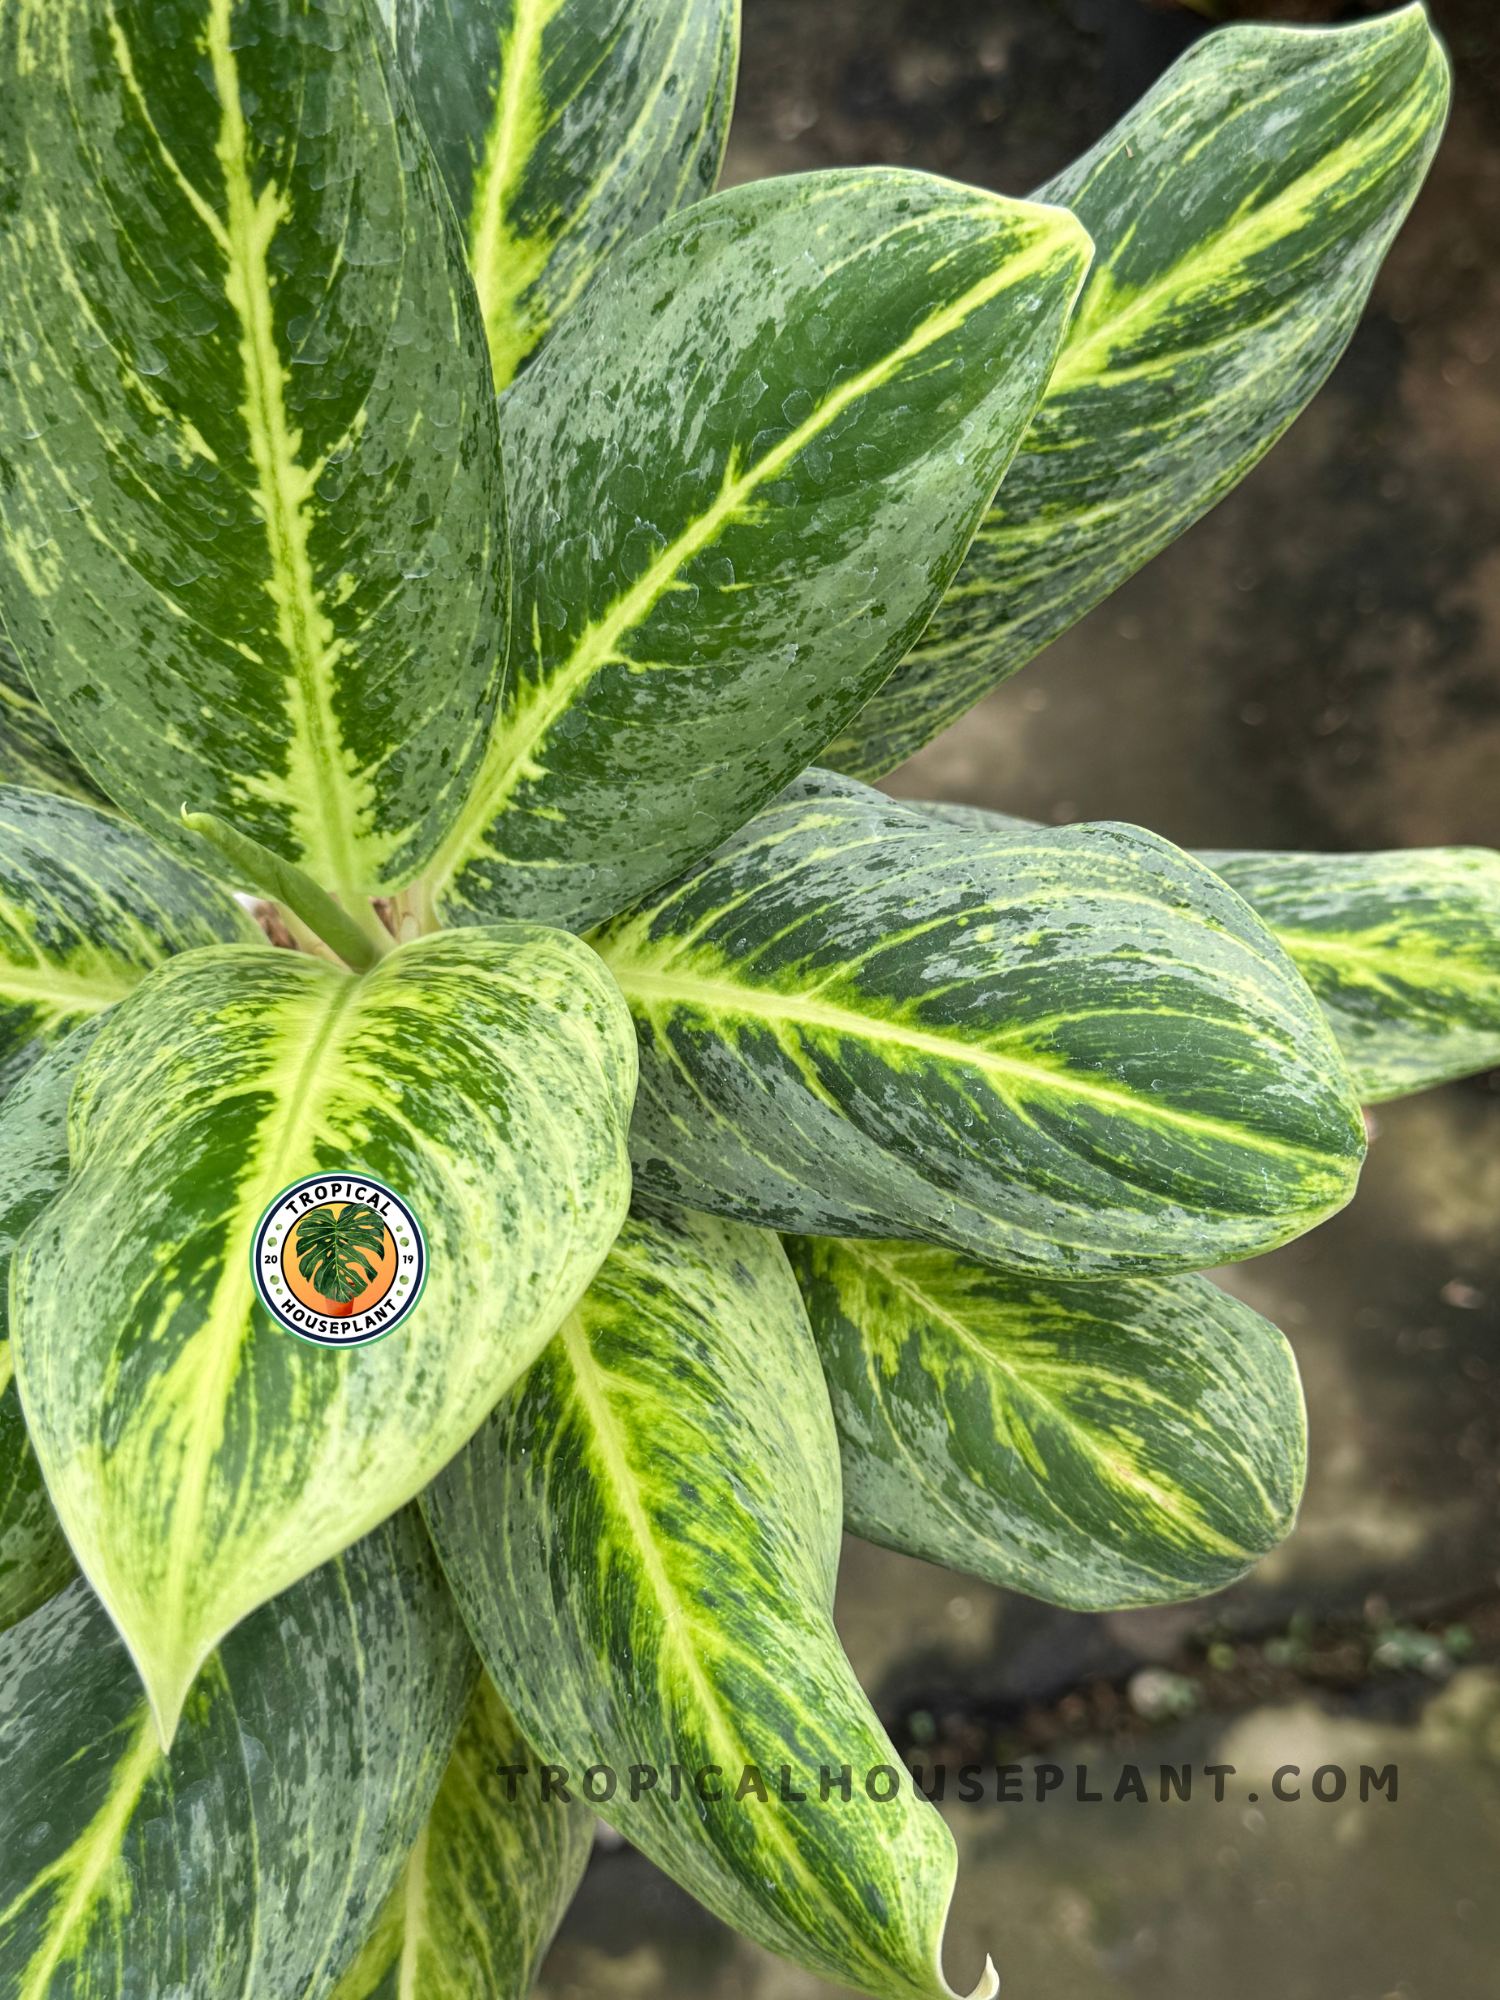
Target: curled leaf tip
x=989 y=1982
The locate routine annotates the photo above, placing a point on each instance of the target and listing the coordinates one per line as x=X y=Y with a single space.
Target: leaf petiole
x=358 y=944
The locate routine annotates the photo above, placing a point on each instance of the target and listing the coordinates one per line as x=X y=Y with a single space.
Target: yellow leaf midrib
x=1088 y=1442
x=211 y=1357
x=48 y=986
x=677 y=1622
x=666 y=68
x=516 y=739
x=1394 y=962
x=725 y=999
x=1107 y=326
x=327 y=804
x=413 y=1916
x=504 y=263
x=86 y=1864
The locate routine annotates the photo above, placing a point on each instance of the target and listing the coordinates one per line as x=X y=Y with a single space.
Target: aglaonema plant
x=428 y=508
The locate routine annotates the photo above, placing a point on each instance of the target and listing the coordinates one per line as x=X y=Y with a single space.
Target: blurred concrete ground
x=1288 y=1901
x=1315 y=664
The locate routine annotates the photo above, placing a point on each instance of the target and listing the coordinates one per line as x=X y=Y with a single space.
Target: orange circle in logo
x=384 y=1264
x=339 y=1259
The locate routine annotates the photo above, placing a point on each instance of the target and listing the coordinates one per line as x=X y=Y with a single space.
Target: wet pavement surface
x=1316 y=664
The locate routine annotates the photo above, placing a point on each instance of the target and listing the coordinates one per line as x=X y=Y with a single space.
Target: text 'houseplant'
x=427 y=506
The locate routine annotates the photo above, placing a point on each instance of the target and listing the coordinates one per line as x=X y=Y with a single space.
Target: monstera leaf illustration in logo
x=331 y=1247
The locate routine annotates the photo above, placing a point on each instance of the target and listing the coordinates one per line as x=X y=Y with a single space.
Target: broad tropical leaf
x=1068 y=1051
x=1401 y=948
x=32 y=753
x=35 y=1560
x=1241 y=211
x=251 y=504
x=643 y=1539
x=750 y=462
x=200 y=1457
x=563 y=128
x=88 y=907
x=1121 y=1441
x=252 y=1860
x=488 y=1880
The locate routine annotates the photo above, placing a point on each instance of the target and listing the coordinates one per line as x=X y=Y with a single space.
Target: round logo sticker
x=339 y=1261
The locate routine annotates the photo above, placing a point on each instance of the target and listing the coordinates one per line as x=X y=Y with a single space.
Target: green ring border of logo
x=311 y=1340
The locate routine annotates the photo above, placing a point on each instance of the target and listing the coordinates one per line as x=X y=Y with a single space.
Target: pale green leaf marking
x=514 y=752
x=328 y=803
x=799 y=397
x=1068 y=1051
x=564 y=128
x=32 y=753
x=89 y=1872
x=1241 y=211
x=88 y=907
x=505 y=264
x=251 y=1860
x=249 y=438
x=1401 y=948
x=35 y=1560
x=202 y=1459
x=1100 y=1444
x=644 y=1539
x=487 y=1882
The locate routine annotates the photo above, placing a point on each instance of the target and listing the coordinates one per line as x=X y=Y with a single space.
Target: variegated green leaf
x=1121 y=1441
x=35 y=1560
x=564 y=128
x=1241 y=212
x=251 y=504
x=1402 y=949
x=750 y=461
x=32 y=753
x=643 y=1539
x=488 y=1880
x=201 y=1458
x=1068 y=1051
x=88 y=907
x=248 y=1864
